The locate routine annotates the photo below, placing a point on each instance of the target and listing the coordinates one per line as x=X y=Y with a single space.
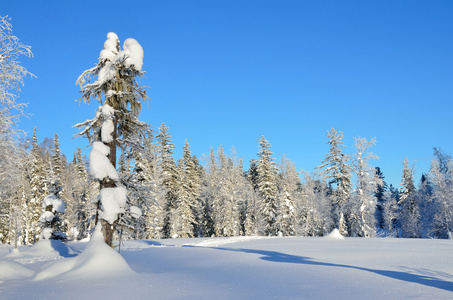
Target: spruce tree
x=409 y=216
x=120 y=97
x=337 y=171
x=267 y=188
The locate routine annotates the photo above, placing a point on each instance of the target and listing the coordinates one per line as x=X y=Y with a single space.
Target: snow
x=110 y=47
x=57 y=204
x=46 y=233
x=12 y=270
x=237 y=268
x=335 y=235
x=100 y=166
x=46 y=216
x=134 y=53
x=113 y=202
x=96 y=260
x=135 y=211
x=107 y=127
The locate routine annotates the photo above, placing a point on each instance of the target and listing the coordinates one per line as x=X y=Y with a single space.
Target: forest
x=145 y=193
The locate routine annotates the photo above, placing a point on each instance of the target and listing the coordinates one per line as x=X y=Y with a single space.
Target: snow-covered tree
x=52 y=223
x=120 y=96
x=362 y=207
x=390 y=210
x=168 y=179
x=267 y=188
x=289 y=186
x=381 y=188
x=337 y=171
x=315 y=208
x=13 y=158
x=409 y=215
x=442 y=197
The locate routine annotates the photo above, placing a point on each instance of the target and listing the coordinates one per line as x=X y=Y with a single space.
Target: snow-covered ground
x=232 y=268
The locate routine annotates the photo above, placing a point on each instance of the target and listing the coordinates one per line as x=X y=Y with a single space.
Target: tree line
x=146 y=194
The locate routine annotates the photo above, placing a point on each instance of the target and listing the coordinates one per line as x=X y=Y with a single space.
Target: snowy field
x=232 y=268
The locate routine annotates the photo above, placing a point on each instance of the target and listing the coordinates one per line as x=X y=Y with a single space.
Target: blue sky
x=227 y=72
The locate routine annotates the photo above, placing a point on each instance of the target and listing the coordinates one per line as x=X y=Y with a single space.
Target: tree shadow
x=279 y=257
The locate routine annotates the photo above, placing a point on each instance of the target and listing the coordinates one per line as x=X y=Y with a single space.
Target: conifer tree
x=409 y=215
x=120 y=96
x=289 y=183
x=168 y=180
x=381 y=188
x=362 y=208
x=337 y=171
x=267 y=188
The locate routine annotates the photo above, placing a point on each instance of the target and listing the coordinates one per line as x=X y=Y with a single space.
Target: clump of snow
x=46 y=232
x=136 y=212
x=335 y=234
x=13 y=270
x=113 y=202
x=48 y=248
x=134 y=52
x=57 y=204
x=97 y=260
x=110 y=47
x=100 y=166
x=46 y=216
x=107 y=127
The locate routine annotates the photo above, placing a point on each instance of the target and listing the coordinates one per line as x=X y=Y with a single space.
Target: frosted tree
x=362 y=208
x=390 y=210
x=251 y=226
x=315 y=208
x=120 y=98
x=169 y=178
x=12 y=74
x=267 y=188
x=38 y=188
x=442 y=198
x=337 y=171
x=51 y=219
x=183 y=217
x=289 y=184
x=409 y=215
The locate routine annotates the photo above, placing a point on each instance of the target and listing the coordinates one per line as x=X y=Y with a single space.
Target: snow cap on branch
x=134 y=53
x=113 y=202
x=100 y=166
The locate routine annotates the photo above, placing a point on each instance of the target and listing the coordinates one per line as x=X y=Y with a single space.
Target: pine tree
x=116 y=119
x=409 y=216
x=337 y=171
x=267 y=188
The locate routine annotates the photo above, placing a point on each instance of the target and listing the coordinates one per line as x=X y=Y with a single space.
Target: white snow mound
x=13 y=270
x=335 y=234
x=97 y=260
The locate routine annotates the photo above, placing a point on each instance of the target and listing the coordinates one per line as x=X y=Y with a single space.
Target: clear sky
x=227 y=72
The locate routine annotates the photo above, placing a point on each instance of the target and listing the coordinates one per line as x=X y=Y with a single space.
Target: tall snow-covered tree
x=289 y=184
x=12 y=154
x=267 y=188
x=442 y=198
x=337 y=171
x=120 y=98
x=409 y=215
x=169 y=179
x=362 y=207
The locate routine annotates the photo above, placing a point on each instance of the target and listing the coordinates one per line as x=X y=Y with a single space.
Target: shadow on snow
x=279 y=257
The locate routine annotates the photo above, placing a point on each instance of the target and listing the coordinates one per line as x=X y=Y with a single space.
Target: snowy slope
x=250 y=268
